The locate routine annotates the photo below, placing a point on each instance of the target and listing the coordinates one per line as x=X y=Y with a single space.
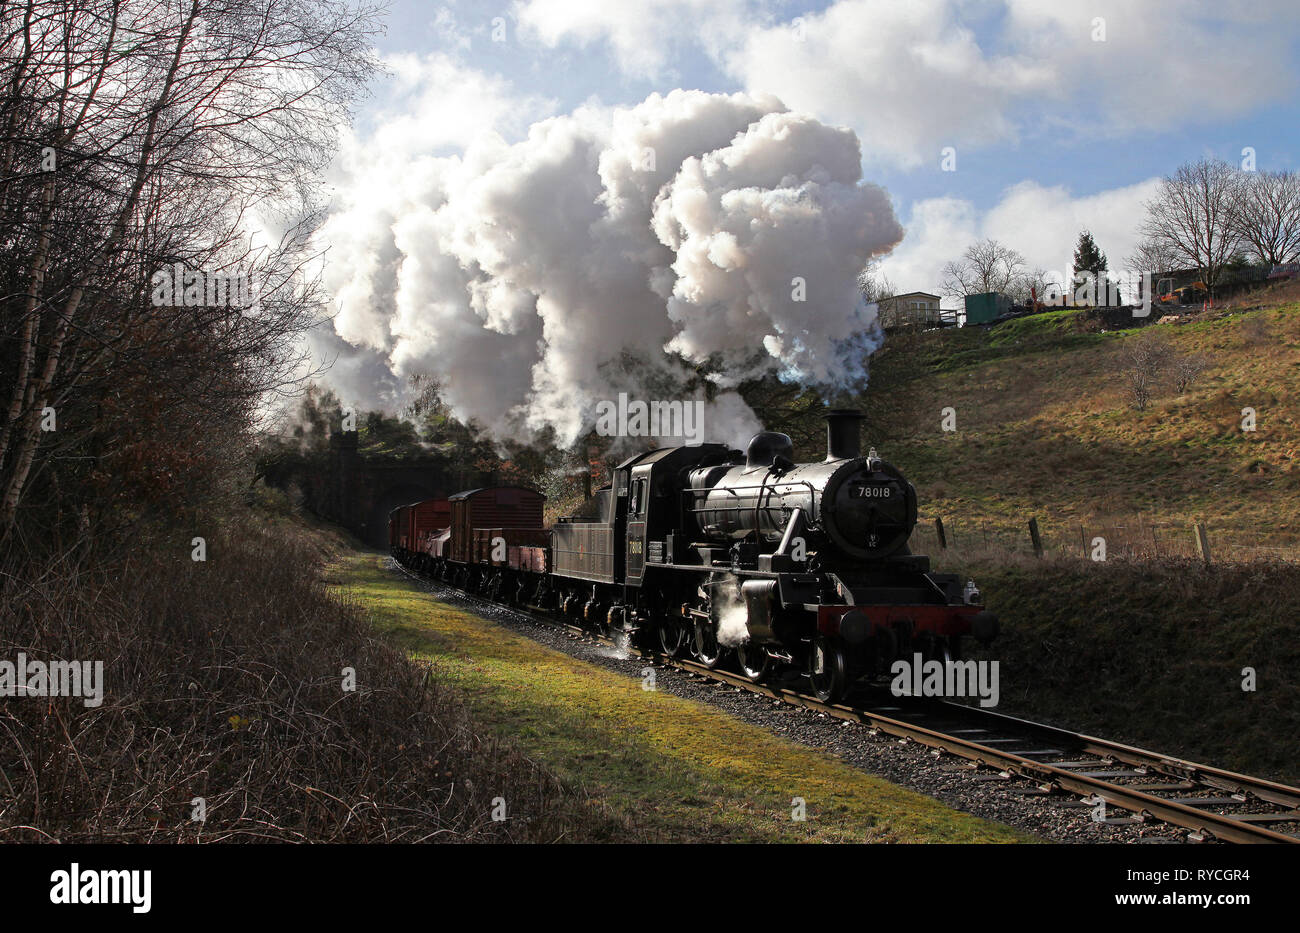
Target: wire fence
x=1135 y=538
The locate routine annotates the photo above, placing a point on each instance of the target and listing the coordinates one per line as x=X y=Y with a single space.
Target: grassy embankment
x=1153 y=653
x=669 y=768
x=1148 y=650
x=1045 y=428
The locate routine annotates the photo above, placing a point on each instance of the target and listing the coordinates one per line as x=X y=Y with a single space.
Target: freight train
x=726 y=556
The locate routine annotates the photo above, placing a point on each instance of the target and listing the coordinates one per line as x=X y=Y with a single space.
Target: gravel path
x=944 y=777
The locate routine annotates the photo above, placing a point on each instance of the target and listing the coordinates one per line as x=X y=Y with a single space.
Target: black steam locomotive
x=715 y=552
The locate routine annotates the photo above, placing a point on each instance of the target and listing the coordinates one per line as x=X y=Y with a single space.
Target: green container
x=980 y=309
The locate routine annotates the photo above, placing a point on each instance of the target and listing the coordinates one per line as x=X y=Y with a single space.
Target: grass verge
x=677 y=770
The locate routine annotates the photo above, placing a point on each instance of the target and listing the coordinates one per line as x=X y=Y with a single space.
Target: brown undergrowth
x=224 y=680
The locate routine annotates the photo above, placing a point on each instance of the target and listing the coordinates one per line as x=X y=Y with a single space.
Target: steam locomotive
x=719 y=554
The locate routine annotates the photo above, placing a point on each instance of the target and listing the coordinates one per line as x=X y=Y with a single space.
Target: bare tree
x=1266 y=215
x=1033 y=285
x=874 y=286
x=1153 y=255
x=1187 y=369
x=1191 y=217
x=986 y=266
x=1146 y=356
x=136 y=138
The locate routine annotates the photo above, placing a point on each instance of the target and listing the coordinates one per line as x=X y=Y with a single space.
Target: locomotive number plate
x=871 y=492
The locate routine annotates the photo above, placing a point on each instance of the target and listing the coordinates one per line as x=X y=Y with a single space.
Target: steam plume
x=614 y=250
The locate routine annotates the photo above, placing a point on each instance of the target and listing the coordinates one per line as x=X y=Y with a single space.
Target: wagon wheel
x=755 y=662
x=828 y=669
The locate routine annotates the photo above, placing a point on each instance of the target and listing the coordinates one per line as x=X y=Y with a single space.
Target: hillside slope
x=1148 y=646
x=1046 y=426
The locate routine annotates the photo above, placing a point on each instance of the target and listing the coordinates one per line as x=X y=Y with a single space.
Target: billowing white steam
x=732 y=613
x=612 y=251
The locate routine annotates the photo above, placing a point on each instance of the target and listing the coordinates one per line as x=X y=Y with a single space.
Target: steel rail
x=1281 y=795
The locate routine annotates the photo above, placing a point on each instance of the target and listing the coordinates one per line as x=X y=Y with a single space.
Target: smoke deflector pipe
x=843 y=426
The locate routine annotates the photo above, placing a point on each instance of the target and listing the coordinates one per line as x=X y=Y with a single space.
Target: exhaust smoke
x=625 y=250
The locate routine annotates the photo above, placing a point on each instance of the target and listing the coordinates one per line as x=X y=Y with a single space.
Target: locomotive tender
x=709 y=551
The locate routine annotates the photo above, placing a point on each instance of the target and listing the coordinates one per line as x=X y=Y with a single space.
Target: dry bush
x=1145 y=359
x=1284 y=291
x=240 y=701
x=1187 y=369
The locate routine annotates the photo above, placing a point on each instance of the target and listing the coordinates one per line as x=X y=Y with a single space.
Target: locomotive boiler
x=847 y=507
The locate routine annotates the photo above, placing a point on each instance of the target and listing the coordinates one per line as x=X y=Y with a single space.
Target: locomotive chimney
x=842 y=429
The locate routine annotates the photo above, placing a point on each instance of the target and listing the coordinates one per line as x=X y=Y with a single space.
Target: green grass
x=1050 y=332
x=678 y=770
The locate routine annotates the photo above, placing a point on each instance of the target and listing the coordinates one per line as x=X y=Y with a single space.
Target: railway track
x=1210 y=803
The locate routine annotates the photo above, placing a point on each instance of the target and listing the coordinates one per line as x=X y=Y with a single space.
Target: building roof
x=911 y=295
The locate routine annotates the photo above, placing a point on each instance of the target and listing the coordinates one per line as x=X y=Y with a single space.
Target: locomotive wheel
x=828 y=671
x=755 y=662
x=707 y=650
x=669 y=633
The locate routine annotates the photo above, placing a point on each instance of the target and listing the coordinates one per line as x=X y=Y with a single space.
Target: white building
x=912 y=309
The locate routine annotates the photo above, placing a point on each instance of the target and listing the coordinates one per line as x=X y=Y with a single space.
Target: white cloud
x=434 y=102
x=1162 y=62
x=643 y=36
x=909 y=77
x=913 y=77
x=1042 y=223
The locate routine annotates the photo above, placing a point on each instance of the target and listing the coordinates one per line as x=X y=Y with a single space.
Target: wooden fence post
x=1035 y=538
x=1202 y=542
x=938 y=530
